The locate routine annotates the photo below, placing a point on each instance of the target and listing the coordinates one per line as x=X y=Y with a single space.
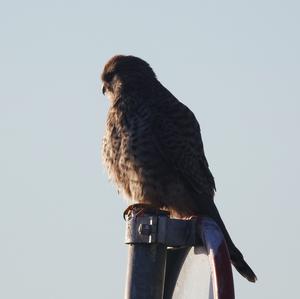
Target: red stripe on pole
x=219 y=259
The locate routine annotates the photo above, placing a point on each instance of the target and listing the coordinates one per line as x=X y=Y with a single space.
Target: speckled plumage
x=153 y=149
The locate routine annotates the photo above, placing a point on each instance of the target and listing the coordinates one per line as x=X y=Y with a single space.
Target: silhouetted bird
x=153 y=149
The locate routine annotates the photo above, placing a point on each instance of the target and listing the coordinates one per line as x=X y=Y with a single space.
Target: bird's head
x=124 y=75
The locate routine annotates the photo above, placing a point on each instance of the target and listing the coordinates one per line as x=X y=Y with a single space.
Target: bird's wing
x=176 y=133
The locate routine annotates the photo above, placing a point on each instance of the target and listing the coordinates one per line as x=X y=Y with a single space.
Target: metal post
x=149 y=232
x=175 y=260
x=146 y=255
x=146 y=271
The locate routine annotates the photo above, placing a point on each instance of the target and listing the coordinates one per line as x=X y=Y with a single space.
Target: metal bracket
x=149 y=228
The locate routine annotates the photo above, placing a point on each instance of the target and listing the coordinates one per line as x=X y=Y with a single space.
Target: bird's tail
x=236 y=256
x=240 y=264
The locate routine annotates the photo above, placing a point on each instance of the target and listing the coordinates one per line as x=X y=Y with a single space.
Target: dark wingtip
x=250 y=275
x=241 y=266
x=244 y=269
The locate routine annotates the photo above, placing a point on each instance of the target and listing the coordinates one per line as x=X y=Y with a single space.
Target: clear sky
x=234 y=63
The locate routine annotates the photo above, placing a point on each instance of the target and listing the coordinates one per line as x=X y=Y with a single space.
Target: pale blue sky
x=234 y=63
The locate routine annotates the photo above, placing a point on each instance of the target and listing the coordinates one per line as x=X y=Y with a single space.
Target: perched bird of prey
x=153 y=149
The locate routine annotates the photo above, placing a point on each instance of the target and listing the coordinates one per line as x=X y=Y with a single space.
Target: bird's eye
x=109 y=77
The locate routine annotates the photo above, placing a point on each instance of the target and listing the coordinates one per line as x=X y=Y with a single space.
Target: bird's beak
x=103 y=89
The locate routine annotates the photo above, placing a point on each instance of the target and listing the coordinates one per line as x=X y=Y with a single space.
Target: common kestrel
x=153 y=148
